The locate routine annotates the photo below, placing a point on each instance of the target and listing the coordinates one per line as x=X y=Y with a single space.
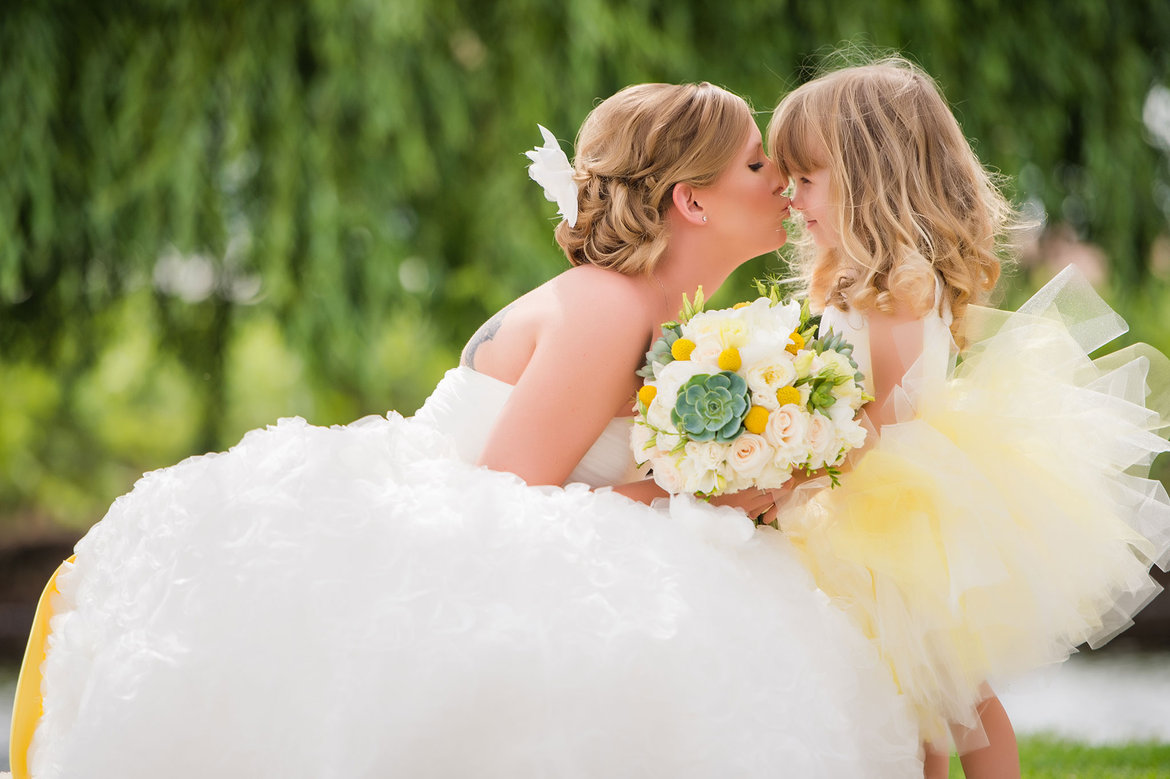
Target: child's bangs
x=793 y=140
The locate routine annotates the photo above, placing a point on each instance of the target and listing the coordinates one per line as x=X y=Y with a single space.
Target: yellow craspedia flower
x=756 y=419
x=647 y=393
x=786 y=395
x=729 y=359
x=682 y=348
x=797 y=343
x=742 y=304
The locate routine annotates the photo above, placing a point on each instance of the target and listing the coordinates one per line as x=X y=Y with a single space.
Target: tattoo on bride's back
x=486 y=332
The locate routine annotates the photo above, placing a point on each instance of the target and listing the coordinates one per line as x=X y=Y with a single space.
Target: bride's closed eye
x=755 y=166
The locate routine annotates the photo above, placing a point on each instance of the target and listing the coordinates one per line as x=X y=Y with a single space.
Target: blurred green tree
x=216 y=213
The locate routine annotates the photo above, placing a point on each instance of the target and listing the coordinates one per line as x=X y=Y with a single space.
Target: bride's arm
x=591 y=340
x=581 y=374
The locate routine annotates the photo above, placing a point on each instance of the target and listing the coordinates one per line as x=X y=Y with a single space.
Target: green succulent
x=711 y=406
x=660 y=351
x=822 y=396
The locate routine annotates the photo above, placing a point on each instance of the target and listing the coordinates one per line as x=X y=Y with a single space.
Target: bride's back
x=503 y=345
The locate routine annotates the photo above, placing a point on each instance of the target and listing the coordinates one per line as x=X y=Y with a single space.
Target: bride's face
x=745 y=206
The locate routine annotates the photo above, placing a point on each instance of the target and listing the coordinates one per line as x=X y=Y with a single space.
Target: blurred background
x=214 y=214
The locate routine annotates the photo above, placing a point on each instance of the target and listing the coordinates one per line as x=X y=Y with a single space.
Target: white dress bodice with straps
x=938 y=346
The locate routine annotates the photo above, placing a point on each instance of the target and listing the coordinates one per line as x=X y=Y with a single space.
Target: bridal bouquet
x=741 y=397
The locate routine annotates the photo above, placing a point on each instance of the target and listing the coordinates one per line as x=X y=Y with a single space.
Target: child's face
x=810 y=196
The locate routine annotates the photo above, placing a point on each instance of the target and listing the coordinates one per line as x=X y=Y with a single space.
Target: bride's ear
x=686 y=204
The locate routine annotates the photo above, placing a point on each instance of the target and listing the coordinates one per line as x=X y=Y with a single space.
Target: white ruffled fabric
x=356 y=602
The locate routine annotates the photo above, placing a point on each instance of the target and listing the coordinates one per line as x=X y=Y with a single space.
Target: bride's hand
x=753 y=502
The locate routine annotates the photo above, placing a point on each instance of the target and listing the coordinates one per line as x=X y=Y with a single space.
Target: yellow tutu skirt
x=1006 y=518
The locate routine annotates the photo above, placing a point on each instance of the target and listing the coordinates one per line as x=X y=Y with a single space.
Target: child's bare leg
x=1000 y=759
x=937 y=762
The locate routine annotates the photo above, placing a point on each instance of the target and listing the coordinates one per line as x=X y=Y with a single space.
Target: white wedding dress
x=360 y=601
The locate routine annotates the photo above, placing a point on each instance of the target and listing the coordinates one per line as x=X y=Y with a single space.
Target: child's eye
x=756 y=166
x=803 y=180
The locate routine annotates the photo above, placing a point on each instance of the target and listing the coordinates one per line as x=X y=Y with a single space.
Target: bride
x=483 y=589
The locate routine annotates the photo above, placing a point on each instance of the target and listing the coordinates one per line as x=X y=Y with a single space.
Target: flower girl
x=1003 y=517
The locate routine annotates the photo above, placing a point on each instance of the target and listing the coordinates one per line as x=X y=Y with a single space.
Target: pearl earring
x=704 y=219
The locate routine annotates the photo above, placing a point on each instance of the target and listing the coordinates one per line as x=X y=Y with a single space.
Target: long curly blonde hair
x=631 y=151
x=913 y=202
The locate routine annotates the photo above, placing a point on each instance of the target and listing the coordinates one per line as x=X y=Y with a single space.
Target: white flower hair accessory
x=550 y=169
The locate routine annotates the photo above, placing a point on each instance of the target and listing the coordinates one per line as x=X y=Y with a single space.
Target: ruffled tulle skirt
x=1008 y=517
x=355 y=602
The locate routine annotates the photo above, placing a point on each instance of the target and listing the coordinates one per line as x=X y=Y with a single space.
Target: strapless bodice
x=466 y=404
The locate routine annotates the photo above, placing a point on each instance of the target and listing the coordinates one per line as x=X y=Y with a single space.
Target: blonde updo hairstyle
x=631 y=151
x=914 y=202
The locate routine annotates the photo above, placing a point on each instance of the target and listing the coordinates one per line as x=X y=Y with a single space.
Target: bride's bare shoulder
x=599 y=293
x=580 y=301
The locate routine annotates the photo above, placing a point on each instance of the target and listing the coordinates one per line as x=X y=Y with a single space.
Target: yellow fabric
x=26 y=707
x=1006 y=517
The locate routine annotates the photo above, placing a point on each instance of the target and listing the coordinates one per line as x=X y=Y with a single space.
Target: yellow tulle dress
x=1007 y=517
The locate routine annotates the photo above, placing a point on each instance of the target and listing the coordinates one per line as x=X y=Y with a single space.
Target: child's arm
x=895 y=344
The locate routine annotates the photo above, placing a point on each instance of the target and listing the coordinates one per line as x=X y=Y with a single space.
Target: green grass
x=1049 y=758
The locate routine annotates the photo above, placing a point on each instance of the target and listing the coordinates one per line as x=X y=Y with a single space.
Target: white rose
x=841 y=414
x=773 y=476
x=668 y=476
x=759 y=316
x=785 y=432
x=822 y=440
x=787 y=316
x=704 y=466
x=708 y=455
x=851 y=434
x=749 y=454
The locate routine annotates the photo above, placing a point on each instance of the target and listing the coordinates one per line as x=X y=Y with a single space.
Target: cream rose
x=785 y=432
x=668 y=476
x=822 y=440
x=748 y=456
